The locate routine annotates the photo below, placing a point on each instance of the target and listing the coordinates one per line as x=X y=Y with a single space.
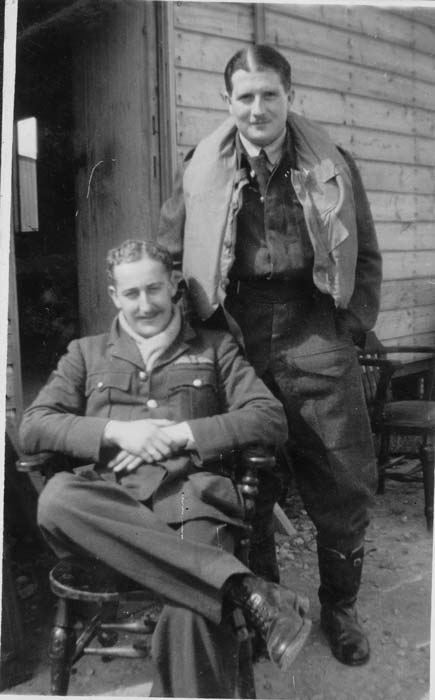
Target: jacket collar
x=123 y=347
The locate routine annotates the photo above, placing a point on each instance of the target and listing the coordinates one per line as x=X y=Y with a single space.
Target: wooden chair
x=414 y=417
x=89 y=595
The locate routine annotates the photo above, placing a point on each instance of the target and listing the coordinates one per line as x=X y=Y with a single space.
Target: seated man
x=157 y=406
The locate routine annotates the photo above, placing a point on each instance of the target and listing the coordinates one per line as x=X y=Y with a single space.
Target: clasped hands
x=144 y=441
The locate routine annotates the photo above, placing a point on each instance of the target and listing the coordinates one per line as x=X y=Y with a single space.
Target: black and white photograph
x=218 y=349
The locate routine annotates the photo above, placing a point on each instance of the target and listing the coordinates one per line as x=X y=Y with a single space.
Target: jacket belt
x=271 y=290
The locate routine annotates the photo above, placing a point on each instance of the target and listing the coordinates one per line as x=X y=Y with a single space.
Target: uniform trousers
x=293 y=338
x=194 y=648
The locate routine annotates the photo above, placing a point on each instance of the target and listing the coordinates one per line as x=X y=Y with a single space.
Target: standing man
x=159 y=409
x=272 y=226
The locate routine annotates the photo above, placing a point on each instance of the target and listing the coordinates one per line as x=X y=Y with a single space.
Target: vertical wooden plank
x=116 y=146
x=259 y=23
x=167 y=97
x=14 y=358
x=15 y=412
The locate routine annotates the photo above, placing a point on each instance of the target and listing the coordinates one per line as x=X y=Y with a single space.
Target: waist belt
x=270 y=290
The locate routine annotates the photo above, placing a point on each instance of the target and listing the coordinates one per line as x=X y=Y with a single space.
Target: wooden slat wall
x=205 y=36
x=368 y=75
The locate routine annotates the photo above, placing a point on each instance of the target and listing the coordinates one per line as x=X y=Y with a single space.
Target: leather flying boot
x=340 y=577
x=276 y=612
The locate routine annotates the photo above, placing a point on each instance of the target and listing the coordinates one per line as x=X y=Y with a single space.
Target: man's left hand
x=125 y=461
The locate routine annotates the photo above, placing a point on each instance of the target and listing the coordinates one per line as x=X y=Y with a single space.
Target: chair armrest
x=381 y=362
x=38 y=462
x=428 y=350
x=424 y=349
x=378 y=355
x=253 y=459
x=47 y=463
x=258 y=457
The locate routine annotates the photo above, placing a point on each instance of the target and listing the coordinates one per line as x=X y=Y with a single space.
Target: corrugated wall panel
x=368 y=75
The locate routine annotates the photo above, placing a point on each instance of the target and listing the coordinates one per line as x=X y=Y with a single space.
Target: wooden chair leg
x=245 y=674
x=382 y=460
x=62 y=645
x=427 y=456
x=246 y=684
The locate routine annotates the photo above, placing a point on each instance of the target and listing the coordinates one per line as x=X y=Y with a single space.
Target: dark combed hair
x=133 y=250
x=258 y=57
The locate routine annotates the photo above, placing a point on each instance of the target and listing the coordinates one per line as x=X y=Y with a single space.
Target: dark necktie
x=262 y=172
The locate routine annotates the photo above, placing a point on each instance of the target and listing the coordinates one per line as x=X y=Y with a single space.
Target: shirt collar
x=273 y=150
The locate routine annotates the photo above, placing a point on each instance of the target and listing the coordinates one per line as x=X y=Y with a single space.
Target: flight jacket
x=199 y=221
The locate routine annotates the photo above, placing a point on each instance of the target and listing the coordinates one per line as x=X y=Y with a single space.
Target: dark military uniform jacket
x=202 y=378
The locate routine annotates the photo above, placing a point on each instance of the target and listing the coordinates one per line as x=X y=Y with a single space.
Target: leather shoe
x=347 y=640
x=276 y=612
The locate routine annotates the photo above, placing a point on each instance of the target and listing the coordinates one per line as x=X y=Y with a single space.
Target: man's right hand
x=143 y=438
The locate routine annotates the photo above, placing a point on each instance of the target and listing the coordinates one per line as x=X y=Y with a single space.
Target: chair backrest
x=370 y=378
x=429 y=386
x=376 y=373
x=378 y=369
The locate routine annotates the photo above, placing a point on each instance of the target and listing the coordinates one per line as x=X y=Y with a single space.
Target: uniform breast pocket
x=192 y=392
x=104 y=389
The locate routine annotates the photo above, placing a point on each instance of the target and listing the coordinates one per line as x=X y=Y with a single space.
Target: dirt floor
x=394 y=607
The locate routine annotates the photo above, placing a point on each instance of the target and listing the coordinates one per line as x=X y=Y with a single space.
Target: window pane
x=27 y=183
x=27 y=138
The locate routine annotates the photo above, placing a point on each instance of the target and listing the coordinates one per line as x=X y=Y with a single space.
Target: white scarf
x=152 y=348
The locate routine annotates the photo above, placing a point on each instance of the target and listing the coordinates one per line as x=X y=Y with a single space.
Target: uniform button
x=152 y=403
x=100 y=385
x=252 y=173
x=143 y=376
x=197 y=382
x=261 y=199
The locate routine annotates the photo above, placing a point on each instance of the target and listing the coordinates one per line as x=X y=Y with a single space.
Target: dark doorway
x=44 y=198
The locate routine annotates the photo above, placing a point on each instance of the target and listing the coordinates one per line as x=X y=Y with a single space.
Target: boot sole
x=292 y=650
